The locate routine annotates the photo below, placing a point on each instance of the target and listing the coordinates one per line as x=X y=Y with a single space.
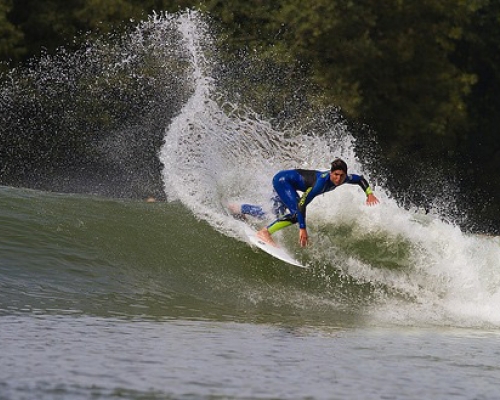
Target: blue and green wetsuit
x=286 y=185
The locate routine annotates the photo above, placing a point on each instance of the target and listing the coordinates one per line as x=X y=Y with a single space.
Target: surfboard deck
x=278 y=252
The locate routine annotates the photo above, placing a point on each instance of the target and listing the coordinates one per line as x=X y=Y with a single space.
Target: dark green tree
x=479 y=52
x=10 y=36
x=388 y=64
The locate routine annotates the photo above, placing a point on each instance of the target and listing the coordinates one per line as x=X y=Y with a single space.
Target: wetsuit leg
x=254 y=211
x=286 y=192
x=279 y=208
x=290 y=198
x=281 y=223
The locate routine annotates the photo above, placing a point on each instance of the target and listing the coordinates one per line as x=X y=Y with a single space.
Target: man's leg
x=241 y=210
x=281 y=223
x=286 y=197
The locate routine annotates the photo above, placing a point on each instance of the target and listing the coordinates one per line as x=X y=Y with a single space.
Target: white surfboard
x=277 y=252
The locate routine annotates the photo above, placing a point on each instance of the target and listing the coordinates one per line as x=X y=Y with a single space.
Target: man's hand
x=303 y=237
x=371 y=200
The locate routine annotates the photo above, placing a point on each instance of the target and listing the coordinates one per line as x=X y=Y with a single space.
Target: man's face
x=337 y=177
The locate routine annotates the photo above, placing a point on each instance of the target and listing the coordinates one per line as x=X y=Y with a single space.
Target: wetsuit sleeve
x=303 y=202
x=308 y=196
x=360 y=181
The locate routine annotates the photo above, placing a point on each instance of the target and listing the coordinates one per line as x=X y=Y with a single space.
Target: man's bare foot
x=266 y=237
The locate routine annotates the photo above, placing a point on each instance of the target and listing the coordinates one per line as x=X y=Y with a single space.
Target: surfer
x=311 y=183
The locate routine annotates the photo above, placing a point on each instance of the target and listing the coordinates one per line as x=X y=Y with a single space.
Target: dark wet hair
x=339 y=164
